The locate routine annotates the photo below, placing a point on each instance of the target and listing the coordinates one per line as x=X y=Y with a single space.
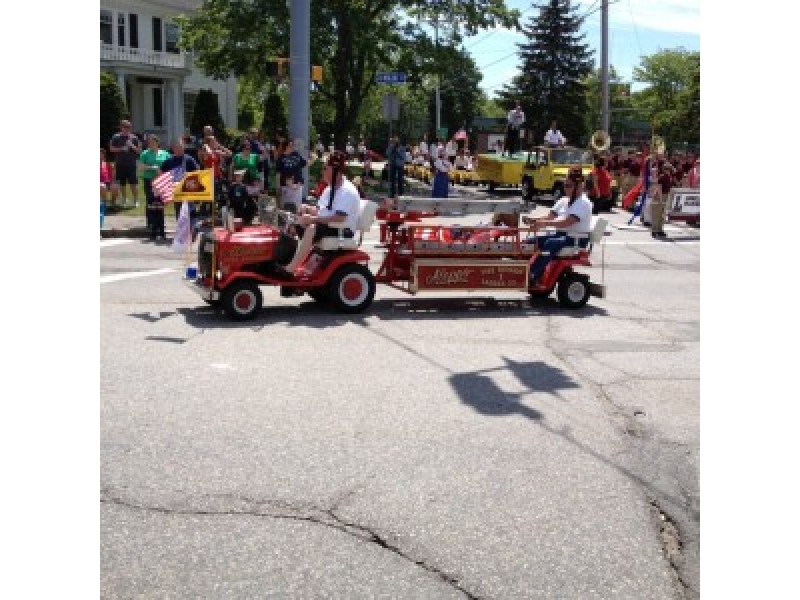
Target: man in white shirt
x=553 y=136
x=571 y=215
x=515 y=120
x=423 y=147
x=343 y=207
x=452 y=150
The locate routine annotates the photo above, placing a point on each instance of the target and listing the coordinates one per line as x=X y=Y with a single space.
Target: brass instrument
x=600 y=141
x=657 y=145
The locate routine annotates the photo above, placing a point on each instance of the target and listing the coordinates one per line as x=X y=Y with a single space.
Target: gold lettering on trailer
x=448 y=277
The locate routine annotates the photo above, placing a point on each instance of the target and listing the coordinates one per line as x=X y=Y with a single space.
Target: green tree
x=206 y=112
x=671 y=100
x=555 y=63
x=112 y=108
x=351 y=39
x=459 y=91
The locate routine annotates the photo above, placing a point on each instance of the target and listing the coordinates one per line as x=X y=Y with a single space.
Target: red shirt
x=602 y=181
x=211 y=161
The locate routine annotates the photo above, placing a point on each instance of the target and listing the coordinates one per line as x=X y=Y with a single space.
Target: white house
x=138 y=44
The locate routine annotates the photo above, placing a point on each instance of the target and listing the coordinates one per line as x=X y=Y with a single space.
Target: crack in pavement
x=325 y=517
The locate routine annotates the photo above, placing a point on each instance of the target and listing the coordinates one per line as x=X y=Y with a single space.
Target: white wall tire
x=352 y=288
x=242 y=300
x=573 y=290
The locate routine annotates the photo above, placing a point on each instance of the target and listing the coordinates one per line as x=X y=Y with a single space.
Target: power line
x=491 y=33
x=635 y=29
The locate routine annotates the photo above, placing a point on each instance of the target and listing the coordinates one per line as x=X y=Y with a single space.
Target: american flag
x=164 y=184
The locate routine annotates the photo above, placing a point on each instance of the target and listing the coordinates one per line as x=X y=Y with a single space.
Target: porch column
x=175 y=108
x=121 y=84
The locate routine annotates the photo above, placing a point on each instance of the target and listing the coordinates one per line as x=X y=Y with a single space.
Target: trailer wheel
x=352 y=288
x=242 y=300
x=492 y=186
x=573 y=290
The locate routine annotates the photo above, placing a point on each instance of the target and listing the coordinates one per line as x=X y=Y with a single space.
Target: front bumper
x=198 y=288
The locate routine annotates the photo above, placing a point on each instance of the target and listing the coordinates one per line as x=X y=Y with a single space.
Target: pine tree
x=555 y=63
x=206 y=112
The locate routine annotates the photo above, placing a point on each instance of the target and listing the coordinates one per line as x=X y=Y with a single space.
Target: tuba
x=600 y=141
x=657 y=145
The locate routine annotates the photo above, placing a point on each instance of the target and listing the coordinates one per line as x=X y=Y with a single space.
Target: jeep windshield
x=564 y=156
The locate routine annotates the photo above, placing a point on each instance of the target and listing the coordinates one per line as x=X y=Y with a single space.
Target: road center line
x=133 y=275
x=115 y=242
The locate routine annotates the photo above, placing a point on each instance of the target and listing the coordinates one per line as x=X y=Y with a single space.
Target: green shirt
x=250 y=163
x=153 y=161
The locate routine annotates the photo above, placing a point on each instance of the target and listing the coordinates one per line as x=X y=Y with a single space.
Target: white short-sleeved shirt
x=452 y=148
x=443 y=165
x=581 y=208
x=346 y=199
x=516 y=119
x=553 y=137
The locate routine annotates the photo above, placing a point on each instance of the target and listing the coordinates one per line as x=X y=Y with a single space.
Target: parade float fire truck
x=235 y=262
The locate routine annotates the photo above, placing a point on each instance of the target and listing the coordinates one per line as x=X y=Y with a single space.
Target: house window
x=157 y=45
x=134 y=30
x=171 y=31
x=158 y=107
x=120 y=29
x=189 y=99
x=106 y=27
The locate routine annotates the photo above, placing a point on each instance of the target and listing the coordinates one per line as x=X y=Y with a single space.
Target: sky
x=636 y=28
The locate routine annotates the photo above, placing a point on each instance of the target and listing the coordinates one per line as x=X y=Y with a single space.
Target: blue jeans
x=552 y=244
x=395 y=180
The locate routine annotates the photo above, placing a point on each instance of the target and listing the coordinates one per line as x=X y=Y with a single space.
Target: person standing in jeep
x=125 y=147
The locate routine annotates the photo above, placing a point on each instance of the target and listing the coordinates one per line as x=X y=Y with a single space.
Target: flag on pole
x=164 y=184
x=183 y=230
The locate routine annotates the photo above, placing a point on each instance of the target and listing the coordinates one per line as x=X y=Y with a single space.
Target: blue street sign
x=390 y=78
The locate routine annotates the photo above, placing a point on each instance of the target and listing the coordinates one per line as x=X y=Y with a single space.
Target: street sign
x=441 y=133
x=391 y=107
x=390 y=78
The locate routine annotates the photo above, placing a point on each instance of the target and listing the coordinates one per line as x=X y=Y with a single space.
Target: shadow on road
x=317 y=315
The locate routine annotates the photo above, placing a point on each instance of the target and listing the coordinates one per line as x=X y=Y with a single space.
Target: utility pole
x=438 y=98
x=300 y=76
x=604 y=59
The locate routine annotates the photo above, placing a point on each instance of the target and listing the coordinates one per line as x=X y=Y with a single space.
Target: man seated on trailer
x=340 y=202
x=572 y=214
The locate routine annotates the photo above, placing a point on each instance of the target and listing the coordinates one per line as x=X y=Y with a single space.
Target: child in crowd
x=106 y=176
x=292 y=195
x=242 y=206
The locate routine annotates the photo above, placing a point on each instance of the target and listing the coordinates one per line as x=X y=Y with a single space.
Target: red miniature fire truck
x=234 y=262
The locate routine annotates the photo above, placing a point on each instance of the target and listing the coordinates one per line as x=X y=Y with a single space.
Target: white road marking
x=222 y=366
x=115 y=242
x=133 y=275
x=606 y=243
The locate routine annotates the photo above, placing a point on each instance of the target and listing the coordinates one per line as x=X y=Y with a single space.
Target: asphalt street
x=433 y=447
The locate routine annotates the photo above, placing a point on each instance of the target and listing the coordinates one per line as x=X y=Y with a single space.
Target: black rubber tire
x=335 y=291
x=492 y=186
x=573 y=290
x=233 y=295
